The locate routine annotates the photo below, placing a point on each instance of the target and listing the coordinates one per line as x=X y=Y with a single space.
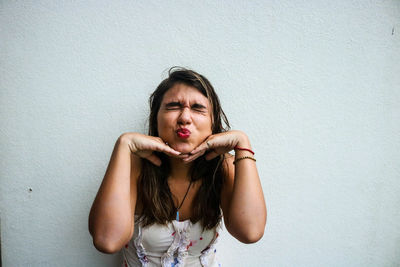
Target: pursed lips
x=183 y=132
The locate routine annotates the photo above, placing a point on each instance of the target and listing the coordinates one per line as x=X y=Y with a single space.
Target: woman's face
x=184 y=119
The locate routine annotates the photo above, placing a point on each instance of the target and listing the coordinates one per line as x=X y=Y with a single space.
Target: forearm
x=111 y=219
x=247 y=211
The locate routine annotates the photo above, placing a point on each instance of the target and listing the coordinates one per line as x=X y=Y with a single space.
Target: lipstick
x=183 y=133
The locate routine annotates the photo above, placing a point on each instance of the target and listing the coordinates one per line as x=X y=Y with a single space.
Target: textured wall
x=315 y=84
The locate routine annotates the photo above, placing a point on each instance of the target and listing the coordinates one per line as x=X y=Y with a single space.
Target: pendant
x=177 y=215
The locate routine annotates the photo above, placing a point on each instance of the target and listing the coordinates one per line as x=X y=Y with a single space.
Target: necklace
x=184 y=197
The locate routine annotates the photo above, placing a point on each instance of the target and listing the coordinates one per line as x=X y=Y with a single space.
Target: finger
x=161 y=147
x=183 y=156
x=210 y=155
x=154 y=159
x=202 y=147
x=195 y=156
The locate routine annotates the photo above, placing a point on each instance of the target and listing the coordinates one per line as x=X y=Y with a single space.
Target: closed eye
x=199 y=107
x=177 y=105
x=173 y=105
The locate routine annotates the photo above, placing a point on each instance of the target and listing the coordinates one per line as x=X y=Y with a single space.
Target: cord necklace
x=187 y=191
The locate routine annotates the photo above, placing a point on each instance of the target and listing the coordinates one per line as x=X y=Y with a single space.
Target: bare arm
x=111 y=216
x=242 y=199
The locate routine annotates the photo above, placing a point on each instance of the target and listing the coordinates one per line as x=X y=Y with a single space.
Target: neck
x=179 y=169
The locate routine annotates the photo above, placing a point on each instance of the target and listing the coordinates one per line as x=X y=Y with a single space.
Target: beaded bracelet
x=242 y=148
x=245 y=157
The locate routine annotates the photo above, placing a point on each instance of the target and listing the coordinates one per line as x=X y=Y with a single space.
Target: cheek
x=207 y=125
x=163 y=123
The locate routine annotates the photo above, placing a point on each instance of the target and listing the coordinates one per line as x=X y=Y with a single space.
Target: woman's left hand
x=218 y=144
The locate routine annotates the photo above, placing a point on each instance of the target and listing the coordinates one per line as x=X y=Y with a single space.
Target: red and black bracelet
x=245 y=149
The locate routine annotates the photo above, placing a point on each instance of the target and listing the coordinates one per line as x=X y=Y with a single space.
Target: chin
x=183 y=148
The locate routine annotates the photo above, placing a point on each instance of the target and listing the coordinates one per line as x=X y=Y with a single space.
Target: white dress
x=177 y=244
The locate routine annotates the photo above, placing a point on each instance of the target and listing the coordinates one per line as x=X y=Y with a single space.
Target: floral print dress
x=177 y=244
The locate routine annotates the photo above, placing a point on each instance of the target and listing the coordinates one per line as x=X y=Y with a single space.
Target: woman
x=162 y=195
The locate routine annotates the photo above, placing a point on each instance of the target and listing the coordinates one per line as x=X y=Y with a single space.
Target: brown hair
x=154 y=193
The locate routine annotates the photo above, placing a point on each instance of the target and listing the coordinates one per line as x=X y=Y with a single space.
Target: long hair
x=154 y=192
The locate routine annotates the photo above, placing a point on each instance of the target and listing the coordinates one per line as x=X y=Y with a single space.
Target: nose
x=185 y=117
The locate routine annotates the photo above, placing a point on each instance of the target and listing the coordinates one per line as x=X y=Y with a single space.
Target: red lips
x=183 y=133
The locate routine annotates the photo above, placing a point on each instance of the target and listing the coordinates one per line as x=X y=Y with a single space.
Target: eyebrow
x=173 y=104
x=198 y=106
x=178 y=104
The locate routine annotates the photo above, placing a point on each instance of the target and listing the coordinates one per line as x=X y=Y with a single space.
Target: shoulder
x=136 y=166
x=228 y=182
x=229 y=173
x=227 y=166
x=136 y=169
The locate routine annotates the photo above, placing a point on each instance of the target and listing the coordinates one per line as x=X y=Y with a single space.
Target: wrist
x=243 y=140
x=125 y=140
x=243 y=146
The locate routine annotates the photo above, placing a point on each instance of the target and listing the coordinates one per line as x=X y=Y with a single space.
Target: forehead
x=184 y=93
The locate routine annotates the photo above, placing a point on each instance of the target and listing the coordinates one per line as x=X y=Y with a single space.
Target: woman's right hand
x=144 y=145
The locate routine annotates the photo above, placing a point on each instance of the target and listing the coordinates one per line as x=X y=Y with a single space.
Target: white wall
x=315 y=84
